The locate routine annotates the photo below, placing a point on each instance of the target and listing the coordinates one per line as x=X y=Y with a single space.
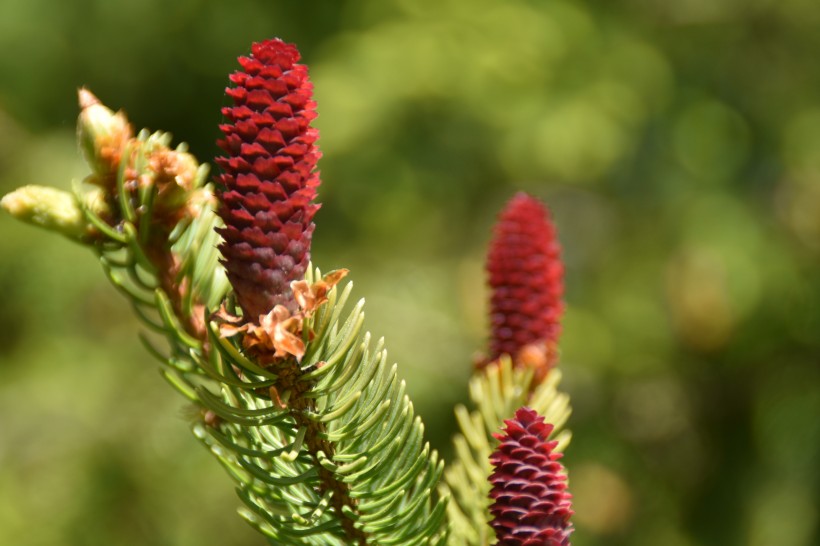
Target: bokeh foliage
x=677 y=143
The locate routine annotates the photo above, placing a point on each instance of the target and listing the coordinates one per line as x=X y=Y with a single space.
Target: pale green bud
x=53 y=209
x=103 y=135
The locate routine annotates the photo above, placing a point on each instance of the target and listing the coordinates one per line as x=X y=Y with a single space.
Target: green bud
x=52 y=209
x=103 y=135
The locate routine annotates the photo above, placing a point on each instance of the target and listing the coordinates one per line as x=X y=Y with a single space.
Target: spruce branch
x=268 y=186
x=344 y=395
x=525 y=276
x=295 y=401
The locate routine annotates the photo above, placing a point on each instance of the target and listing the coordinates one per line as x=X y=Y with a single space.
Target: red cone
x=269 y=177
x=531 y=505
x=526 y=279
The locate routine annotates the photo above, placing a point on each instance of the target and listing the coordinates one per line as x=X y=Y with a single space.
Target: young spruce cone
x=526 y=280
x=269 y=179
x=530 y=502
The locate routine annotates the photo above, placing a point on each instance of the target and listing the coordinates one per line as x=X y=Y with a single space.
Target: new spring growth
x=107 y=140
x=102 y=135
x=55 y=210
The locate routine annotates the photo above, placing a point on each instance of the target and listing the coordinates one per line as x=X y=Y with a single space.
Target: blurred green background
x=677 y=144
